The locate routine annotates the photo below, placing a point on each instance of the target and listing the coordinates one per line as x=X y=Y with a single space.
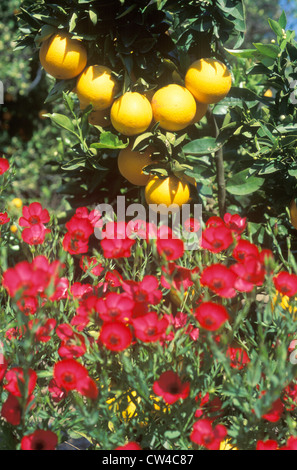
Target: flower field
x=123 y=331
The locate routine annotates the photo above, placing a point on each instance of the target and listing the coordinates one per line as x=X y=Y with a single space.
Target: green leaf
x=283 y=20
x=268 y=50
x=243 y=53
x=108 y=140
x=62 y=121
x=201 y=146
x=242 y=184
x=275 y=26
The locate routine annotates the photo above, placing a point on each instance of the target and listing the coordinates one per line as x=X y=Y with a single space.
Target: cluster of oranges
x=174 y=107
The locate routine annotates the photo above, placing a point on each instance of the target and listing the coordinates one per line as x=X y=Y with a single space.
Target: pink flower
x=35 y=234
x=286 y=283
x=115 y=307
x=236 y=223
x=216 y=239
x=149 y=327
x=34 y=214
x=211 y=316
x=171 y=249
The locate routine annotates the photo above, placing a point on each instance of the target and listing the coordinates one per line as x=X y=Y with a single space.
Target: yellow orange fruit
x=62 y=56
x=97 y=86
x=131 y=113
x=168 y=191
x=209 y=80
x=174 y=107
x=131 y=164
x=268 y=93
x=201 y=109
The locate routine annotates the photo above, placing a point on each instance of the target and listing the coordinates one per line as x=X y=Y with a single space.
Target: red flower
x=144 y=293
x=84 y=312
x=251 y=273
x=115 y=243
x=219 y=279
x=115 y=307
x=35 y=234
x=149 y=328
x=79 y=228
x=171 y=249
x=4 y=165
x=216 y=239
x=72 y=344
x=238 y=357
x=236 y=223
x=192 y=225
x=28 y=305
x=91 y=264
x=269 y=444
x=215 y=221
x=69 y=375
x=57 y=393
x=16 y=380
x=141 y=229
x=170 y=387
x=42 y=331
x=115 y=336
x=291 y=444
x=243 y=249
x=129 y=446
x=177 y=277
x=79 y=290
x=286 y=283
x=4 y=218
x=206 y=435
x=34 y=214
x=11 y=410
x=211 y=316
x=3 y=366
x=75 y=246
x=39 y=440
x=275 y=412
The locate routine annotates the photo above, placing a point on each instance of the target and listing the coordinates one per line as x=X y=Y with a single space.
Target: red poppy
x=250 y=273
x=115 y=336
x=219 y=279
x=4 y=165
x=170 y=387
x=291 y=444
x=177 y=277
x=149 y=327
x=85 y=311
x=216 y=239
x=57 y=393
x=117 y=248
x=192 y=225
x=75 y=246
x=3 y=366
x=290 y=396
x=236 y=223
x=243 y=249
x=275 y=412
x=208 y=407
x=269 y=444
x=211 y=316
x=144 y=293
x=70 y=374
x=215 y=221
x=28 y=305
x=79 y=290
x=35 y=234
x=206 y=435
x=39 y=440
x=238 y=357
x=171 y=248
x=11 y=410
x=34 y=214
x=4 y=219
x=16 y=379
x=286 y=283
x=115 y=307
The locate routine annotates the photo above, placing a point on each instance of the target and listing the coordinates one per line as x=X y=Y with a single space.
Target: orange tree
x=144 y=47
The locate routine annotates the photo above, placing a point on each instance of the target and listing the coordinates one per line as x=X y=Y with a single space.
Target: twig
x=219 y=161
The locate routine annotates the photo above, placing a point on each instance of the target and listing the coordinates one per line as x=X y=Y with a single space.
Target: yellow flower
x=226 y=445
x=13 y=228
x=17 y=202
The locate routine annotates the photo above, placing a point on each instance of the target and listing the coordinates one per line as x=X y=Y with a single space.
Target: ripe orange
x=97 y=86
x=201 y=109
x=63 y=57
x=209 y=80
x=174 y=107
x=170 y=190
x=131 y=113
x=131 y=163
